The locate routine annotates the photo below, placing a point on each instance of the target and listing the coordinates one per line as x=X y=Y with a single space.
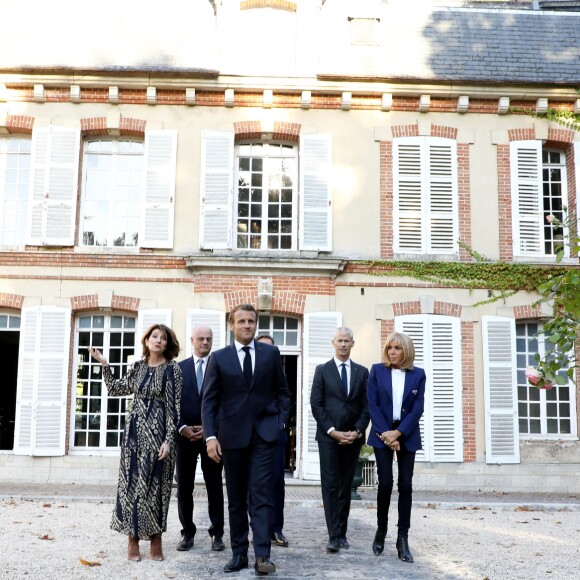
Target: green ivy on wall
x=568 y=119
x=502 y=279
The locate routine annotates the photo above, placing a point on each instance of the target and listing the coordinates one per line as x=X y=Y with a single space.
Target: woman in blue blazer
x=396 y=397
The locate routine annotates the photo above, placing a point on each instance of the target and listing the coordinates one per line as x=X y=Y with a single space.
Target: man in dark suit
x=338 y=400
x=245 y=387
x=191 y=445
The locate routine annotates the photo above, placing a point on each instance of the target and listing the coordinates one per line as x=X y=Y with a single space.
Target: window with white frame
x=425 y=199
x=283 y=329
x=266 y=196
x=112 y=181
x=99 y=420
x=539 y=189
x=14 y=184
x=541 y=412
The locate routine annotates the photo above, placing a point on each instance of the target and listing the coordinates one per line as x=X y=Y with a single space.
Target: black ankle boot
x=403 y=549
x=379 y=541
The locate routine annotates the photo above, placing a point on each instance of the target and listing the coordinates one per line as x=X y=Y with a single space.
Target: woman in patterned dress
x=148 y=447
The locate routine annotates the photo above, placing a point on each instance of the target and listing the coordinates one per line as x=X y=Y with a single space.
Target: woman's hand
x=98 y=356
x=163 y=450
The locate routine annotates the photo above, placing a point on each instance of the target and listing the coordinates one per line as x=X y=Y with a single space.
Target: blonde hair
x=405 y=342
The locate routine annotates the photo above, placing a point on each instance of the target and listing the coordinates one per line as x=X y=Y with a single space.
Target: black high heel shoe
x=379 y=541
x=403 y=549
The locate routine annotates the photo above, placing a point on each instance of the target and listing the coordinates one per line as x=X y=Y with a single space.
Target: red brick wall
x=506 y=240
x=468 y=396
x=19 y=124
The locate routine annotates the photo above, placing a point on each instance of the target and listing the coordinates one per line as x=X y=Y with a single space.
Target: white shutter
x=315 y=192
x=158 y=198
x=217 y=166
x=215 y=319
x=502 y=443
x=53 y=186
x=425 y=205
x=146 y=319
x=42 y=381
x=416 y=327
x=437 y=341
x=408 y=227
x=319 y=329
x=526 y=190
x=443 y=205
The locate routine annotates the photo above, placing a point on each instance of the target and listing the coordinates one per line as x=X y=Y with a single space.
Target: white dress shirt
x=398 y=378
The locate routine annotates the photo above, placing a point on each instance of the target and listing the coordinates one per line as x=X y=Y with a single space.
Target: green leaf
x=560 y=380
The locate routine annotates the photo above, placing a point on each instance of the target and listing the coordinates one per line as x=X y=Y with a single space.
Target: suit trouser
x=279 y=490
x=337 y=469
x=187 y=454
x=250 y=470
x=406 y=464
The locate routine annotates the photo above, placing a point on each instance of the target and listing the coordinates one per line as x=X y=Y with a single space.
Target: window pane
x=111 y=188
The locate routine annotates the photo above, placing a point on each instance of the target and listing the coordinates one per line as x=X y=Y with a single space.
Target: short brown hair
x=246 y=307
x=405 y=342
x=172 y=349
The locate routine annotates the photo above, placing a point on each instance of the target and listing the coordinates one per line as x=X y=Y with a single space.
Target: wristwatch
x=358 y=432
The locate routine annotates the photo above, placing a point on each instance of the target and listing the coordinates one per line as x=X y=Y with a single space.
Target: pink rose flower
x=550 y=218
x=533 y=375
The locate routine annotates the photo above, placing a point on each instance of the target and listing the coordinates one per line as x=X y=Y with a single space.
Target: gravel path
x=47 y=540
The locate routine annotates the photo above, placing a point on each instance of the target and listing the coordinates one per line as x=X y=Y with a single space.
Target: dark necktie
x=344 y=378
x=247 y=365
x=199 y=374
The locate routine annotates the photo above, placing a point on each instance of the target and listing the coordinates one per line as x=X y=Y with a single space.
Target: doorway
x=9 y=345
x=290 y=363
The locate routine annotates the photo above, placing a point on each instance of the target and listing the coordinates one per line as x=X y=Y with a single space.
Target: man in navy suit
x=245 y=387
x=338 y=400
x=191 y=445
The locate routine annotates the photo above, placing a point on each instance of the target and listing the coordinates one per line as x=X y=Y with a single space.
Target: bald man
x=191 y=445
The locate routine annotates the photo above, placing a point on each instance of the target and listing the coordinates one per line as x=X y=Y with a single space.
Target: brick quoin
x=13 y=301
x=386 y=193
x=387 y=327
x=464 y=199
x=468 y=396
x=506 y=241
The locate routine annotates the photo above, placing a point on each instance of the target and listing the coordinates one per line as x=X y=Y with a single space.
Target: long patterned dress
x=145 y=482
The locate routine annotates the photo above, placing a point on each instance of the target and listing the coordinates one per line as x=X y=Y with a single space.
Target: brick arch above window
x=281 y=131
x=276 y=4
x=102 y=126
x=14 y=301
x=15 y=124
x=86 y=302
x=526 y=311
x=439 y=308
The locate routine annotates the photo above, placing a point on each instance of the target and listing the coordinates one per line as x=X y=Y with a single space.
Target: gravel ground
x=49 y=540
